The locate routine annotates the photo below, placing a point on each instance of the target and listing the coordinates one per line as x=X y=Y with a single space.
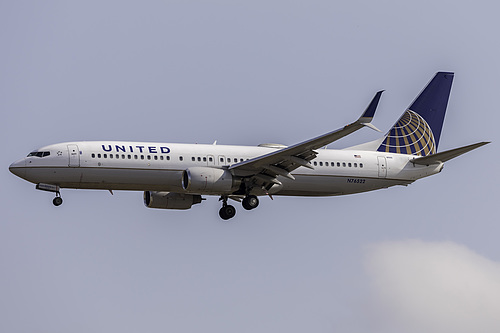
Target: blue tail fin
x=418 y=130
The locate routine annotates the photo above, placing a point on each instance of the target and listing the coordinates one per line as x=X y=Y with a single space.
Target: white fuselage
x=141 y=166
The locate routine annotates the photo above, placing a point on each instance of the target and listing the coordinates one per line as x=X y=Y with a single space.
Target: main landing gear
x=227 y=211
x=250 y=202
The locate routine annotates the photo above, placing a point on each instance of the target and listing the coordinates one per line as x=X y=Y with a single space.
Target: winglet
x=370 y=110
x=367 y=116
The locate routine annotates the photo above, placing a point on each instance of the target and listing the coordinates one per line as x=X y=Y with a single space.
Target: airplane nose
x=18 y=168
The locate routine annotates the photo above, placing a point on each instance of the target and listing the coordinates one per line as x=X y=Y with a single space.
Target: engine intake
x=170 y=200
x=209 y=180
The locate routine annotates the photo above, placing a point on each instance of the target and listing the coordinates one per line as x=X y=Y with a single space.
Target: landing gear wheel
x=57 y=201
x=250 y=202
x=227 y=212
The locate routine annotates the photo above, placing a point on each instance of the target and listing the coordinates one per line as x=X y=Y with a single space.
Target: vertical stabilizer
x=418 y=130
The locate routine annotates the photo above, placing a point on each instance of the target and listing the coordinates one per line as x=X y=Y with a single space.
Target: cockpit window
x=39 y=153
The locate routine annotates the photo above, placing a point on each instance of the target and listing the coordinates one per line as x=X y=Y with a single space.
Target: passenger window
x=149 y=157
x=338 y=164
x=360 y=165
x=204 y=159
x=326 y=163
x=135 y=157
x=98 y=155
x=181 y=158
x=320 y=163
x=221 y=160
x=343 y=164
x=355 y=165
x=129 y=157
x=156 y=157
x=105 y=155
x=192 y=159
x=315 y=163
x=168 y=158
x=161 y=157
x=349 y=165
x=110 y=155
x=123 y=156
x=117 y=156
x=229 y=160
x=93 y=155
x=210 y=159
x=142 y=157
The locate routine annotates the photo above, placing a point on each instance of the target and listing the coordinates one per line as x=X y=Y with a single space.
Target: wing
x=263 y=170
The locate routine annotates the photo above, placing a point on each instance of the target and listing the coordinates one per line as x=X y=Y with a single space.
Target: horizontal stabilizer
x=446 y=155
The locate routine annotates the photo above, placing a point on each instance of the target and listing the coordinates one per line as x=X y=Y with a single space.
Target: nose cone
x=18 y=168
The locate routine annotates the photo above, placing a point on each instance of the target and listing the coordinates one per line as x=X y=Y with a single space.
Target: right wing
x=264 y=169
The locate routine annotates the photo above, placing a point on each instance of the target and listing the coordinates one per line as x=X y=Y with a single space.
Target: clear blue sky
x=421 y=258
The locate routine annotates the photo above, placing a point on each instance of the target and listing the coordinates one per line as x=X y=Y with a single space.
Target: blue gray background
x=421 y=258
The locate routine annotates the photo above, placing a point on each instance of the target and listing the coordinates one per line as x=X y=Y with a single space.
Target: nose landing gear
x=54 y=189
x=57 y=200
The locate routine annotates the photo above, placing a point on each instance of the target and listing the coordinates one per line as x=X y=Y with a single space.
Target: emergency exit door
x=382 y=167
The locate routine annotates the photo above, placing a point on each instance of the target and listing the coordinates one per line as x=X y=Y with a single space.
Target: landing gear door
x=382 y=167
x=74 y=156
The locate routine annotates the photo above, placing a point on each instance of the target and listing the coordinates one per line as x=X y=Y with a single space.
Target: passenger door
x=74 y=156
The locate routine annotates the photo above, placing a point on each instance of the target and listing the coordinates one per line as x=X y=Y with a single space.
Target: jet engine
x=209 y=180
x=170 y=200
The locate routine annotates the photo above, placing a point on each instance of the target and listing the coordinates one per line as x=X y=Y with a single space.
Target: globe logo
x=410 y=135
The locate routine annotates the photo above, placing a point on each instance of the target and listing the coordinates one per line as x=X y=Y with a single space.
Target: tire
x=227 y=212
x=57 y=201
x=250 y=202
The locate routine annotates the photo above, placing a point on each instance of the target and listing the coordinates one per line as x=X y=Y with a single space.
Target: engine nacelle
x=209 y=180
x=170 y=200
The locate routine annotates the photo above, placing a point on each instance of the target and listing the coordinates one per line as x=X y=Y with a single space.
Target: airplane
x=176 y=176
